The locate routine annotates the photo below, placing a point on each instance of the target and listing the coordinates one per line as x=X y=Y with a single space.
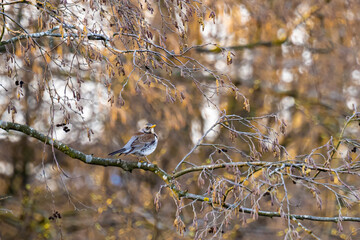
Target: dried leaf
x=229 y=58
x=212 y=15
x=201 y=22
x=247 y=105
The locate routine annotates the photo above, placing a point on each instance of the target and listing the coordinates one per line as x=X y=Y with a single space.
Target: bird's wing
x=142 y=139
x=129 y=144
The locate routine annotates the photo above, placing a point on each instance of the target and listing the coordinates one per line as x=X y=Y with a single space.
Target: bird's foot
x=147 y=159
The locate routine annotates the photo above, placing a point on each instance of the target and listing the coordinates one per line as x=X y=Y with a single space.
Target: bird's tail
x=121 y=151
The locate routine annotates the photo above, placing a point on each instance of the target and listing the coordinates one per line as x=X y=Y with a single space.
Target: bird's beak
x=153 y=126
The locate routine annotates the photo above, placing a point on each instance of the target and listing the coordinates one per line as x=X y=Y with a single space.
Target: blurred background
x=298 y=60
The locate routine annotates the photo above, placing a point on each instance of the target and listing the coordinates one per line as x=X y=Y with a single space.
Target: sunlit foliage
x=255 y=104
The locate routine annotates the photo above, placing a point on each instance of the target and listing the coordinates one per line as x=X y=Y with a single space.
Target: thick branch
x=89 y=159
x=129 y=166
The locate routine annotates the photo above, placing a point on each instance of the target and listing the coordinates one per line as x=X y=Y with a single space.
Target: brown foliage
x=90 y=73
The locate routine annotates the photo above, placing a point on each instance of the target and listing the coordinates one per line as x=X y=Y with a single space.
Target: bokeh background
x=298 y=60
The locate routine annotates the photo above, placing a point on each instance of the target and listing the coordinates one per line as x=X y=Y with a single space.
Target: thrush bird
x=141 y=144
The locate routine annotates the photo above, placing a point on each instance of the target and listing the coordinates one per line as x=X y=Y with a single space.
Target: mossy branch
x=89 y=159
x=129 y=166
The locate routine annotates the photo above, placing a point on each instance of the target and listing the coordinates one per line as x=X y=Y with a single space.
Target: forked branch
x=167 y=178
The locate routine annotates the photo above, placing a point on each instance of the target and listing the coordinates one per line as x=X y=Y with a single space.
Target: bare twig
x=270 y=214
x=129 y=166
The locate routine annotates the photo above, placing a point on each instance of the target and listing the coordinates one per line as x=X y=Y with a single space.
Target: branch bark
x=271 y=214
x=287 y=163
x=86 y=158
x=50 y=33
x=167 y=178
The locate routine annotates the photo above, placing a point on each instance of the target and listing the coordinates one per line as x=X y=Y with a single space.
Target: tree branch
x=89 y=159
x=244 y=46
x=50 y=33
x=274 y=43
x=268 y=213
x=15 y=2
x=129 y=166
x=287 y=163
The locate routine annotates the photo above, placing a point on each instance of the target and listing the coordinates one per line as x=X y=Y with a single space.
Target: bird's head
x=149 y=128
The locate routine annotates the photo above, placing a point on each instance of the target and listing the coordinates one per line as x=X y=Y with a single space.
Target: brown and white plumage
x=142 y=143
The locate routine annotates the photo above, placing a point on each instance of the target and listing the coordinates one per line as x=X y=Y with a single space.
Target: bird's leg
x=147 y=159
x=140 y=160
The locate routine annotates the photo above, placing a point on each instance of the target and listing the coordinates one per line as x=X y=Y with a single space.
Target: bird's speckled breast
x=149 y=148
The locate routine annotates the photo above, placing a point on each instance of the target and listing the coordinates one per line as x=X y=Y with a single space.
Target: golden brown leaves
x=89 y=133
x=212 y=15
x=157 y=202
x=229 y=58
x=283 y=126
x=201 y=22
x=180 y=225
x=247 y=105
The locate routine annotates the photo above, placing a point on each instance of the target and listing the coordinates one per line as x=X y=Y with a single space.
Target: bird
x=143 y=143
